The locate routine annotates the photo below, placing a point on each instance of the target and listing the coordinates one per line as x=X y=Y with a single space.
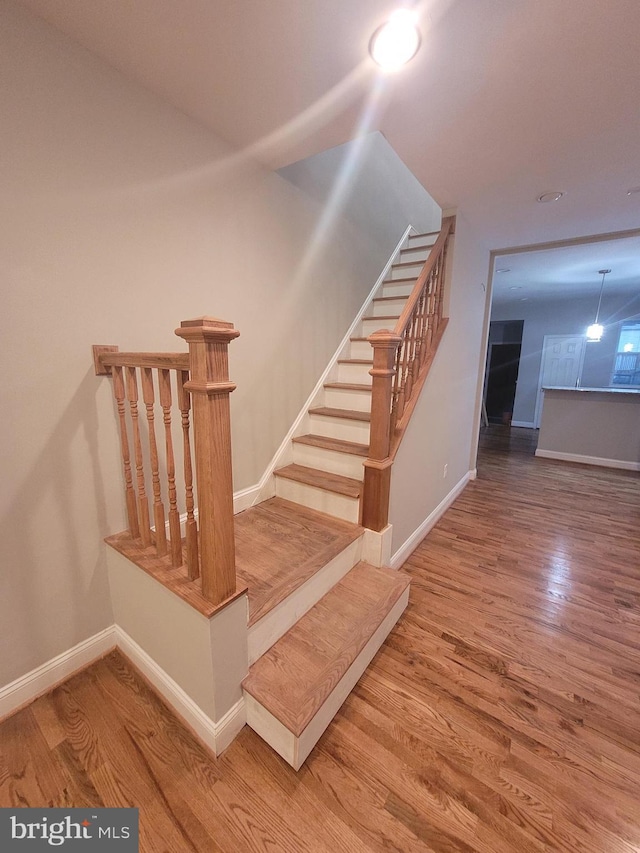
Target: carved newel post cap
x=384 y=337
x=207 y=329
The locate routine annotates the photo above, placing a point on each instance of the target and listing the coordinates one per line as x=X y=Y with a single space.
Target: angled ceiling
x=506 y=99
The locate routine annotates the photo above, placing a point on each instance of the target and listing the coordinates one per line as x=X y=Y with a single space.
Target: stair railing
x=401 y=361
x=200 y=379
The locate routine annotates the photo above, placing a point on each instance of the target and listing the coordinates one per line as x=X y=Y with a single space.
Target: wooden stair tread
x=337 y=444
x=295 y=677
x=349 y=414
x=337 y=483
x=348 y=386
x=355 y=360
x=382 y=317
x=388 y=298
x=280 y=545
x=407 y=263
x=399 y=281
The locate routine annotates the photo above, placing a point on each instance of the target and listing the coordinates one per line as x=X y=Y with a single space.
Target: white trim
x=473 y=474
x=265 y=488
x=527 y=424
x=43 y=678
x=216 y=735
x=589 y=460
x=405 y=550
x=245 y=498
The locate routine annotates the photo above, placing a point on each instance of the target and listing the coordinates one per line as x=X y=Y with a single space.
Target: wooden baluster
x=377 y=468
x=119 y=394
x=158 y=507
x=402 y=391
x=143 y=504
x=395 y=394
x=210 y=387
x=164 y=384
x=191 y=527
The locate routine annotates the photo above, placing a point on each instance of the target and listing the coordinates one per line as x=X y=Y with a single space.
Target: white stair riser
x=390 y=288
x=328 y=460
x=395 y=306
x=371 y=326
x=415 y=253
x=275 y=624
x=295 y=750
x=341 y=398
x=344 y=428
x=406 y=272
x=339 y=506
x=421 y=240
x=360 y=349
x=355 y=373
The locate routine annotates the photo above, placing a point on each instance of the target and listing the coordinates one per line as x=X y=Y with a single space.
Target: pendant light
x=596 y=330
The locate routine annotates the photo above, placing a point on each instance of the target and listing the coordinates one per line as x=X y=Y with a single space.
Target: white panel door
x=561 y=365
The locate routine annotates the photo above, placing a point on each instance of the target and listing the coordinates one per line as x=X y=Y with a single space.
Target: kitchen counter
x=595 y=426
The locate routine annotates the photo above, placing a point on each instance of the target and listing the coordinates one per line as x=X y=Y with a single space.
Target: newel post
x=377 y=468
x=210 y=387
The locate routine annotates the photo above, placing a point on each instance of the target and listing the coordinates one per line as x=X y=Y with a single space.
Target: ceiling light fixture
x=515 y=287
x=553 y=195
x=395 y=42
x=596 y=330
x=633 y=191
x=504 y=269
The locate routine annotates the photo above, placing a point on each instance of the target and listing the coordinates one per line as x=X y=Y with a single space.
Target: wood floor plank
x=502 y=715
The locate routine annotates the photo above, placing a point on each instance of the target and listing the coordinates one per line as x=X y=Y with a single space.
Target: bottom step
x=293 y=692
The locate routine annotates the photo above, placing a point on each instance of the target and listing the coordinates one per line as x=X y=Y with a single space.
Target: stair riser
x=395 y=306
x=294 y=749
x=328 y=460
x=415 y=241
x=357 y=374
x=415 y=253
x=268 y=630
x=339 y=506
x=406 y=272
x=343 y=428
x=404 y=289
x=360 y=349
x=371 y=326
x=339 y=398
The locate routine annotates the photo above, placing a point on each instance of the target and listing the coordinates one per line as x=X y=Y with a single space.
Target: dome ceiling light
x=395 y=42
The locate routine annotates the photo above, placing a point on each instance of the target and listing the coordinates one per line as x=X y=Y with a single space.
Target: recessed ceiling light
x=552 y=195
x=633 y=191
x=515 y=287
x=524 y=299
x=504 y=269
x=396 y=42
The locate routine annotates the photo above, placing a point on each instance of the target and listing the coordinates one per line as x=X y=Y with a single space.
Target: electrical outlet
x=444 y=472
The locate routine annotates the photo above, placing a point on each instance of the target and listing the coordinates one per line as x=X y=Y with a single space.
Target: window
x=626 y=370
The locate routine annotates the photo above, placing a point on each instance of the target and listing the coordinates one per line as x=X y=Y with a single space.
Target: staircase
x=326 y=472
x=308 y=561
x=307 y=658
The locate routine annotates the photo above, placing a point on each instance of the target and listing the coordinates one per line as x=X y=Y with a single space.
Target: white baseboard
x=405 y=550
x=24 y=690
x=44 y=678
x=589 y=460
x=473 y=474
x=245 y=498
x=527 y=424
x=216 y=735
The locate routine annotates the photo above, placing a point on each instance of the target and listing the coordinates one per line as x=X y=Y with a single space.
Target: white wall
x=119 y=218
x=441 y=431
x=560 y=317
x=374 y=189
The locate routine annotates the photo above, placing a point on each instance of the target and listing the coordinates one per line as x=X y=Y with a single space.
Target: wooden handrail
x=202 y=386
x=106 y=357
x=401 y=361
x=427 y=269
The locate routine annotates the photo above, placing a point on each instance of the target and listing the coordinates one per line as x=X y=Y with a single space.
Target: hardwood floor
x=501 y=715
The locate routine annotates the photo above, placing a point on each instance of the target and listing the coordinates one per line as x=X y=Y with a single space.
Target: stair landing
x=280 y=545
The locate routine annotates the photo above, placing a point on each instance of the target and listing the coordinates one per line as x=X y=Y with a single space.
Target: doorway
x=502 y=380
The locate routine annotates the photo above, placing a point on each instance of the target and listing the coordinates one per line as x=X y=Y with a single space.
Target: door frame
x=538 y=411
